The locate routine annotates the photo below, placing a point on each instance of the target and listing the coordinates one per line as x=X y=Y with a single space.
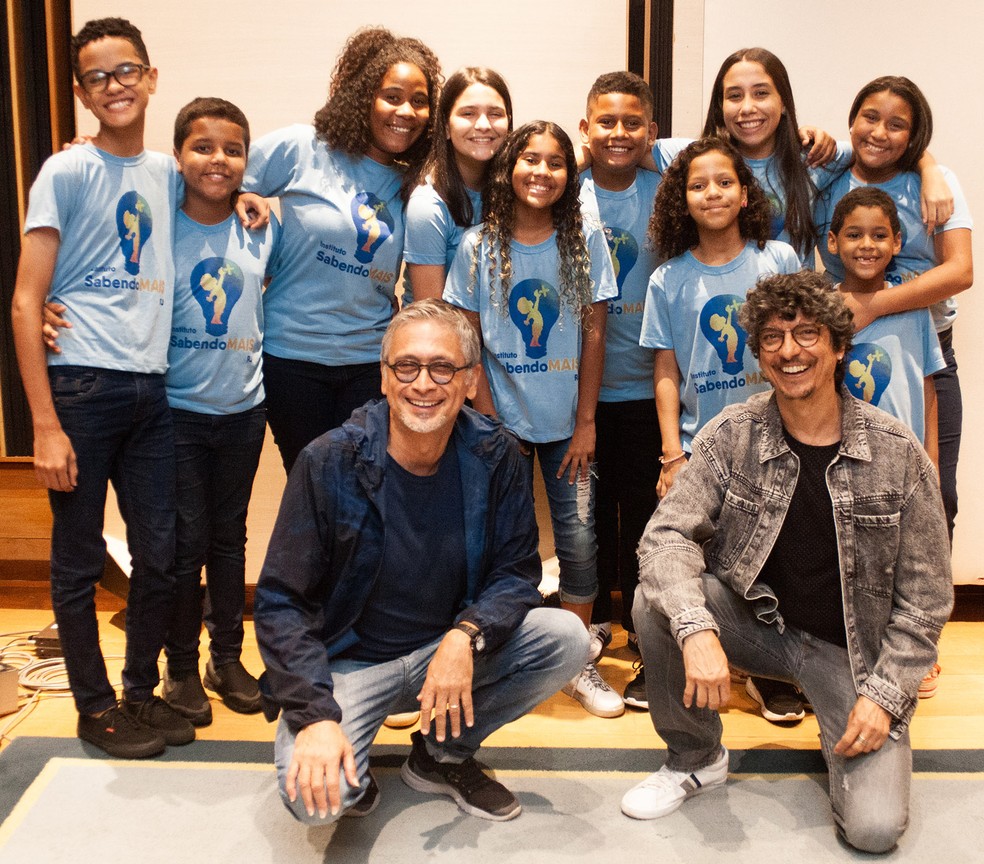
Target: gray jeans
x=869 y=794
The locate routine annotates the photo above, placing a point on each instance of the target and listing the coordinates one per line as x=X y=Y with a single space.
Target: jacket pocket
x=735 y=527
x=876 y=551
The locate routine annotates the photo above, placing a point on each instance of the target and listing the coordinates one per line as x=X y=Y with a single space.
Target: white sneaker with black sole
x=594 y=693
x=601 y=638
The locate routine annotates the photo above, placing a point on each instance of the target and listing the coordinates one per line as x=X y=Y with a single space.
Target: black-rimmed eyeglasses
x=805 y=335
x=440 y=371
x=127 y=74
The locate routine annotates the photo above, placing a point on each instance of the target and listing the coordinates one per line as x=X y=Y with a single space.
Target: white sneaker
x=590 y=689
x=601 y=637
x=663 y=792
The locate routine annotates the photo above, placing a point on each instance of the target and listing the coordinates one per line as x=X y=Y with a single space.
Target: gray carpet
x=215 y=802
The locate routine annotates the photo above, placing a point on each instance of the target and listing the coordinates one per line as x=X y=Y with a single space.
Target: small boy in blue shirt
x=97 y=239
x=215 y=389
x=619 y=132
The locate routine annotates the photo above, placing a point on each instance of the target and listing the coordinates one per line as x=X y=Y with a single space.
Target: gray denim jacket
x=724 y=512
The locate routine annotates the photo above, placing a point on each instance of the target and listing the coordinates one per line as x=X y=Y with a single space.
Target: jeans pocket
x=70 y=386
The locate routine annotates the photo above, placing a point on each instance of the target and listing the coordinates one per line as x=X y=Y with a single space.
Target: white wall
x=273 y=58
x=831 y=50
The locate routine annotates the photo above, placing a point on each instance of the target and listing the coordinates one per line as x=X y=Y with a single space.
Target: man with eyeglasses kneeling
x=805 y=541
x=402 y=573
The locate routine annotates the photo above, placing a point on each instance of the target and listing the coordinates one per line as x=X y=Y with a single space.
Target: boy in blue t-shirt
x=97 y=239
x=215 y=389
x=619 y=131
x=893 y=359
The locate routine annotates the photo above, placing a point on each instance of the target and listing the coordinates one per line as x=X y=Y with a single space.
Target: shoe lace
x=593 y=677
x=466 y=776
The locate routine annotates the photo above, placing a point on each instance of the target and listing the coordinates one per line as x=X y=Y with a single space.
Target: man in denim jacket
x=805 y=541
x=402 y=573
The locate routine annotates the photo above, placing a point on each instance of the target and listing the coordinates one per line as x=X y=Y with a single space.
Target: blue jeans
x=628 y=470
x=869 y=794
x=572 y=514
x=305 y=400
x=119 y=424
x=216 y=457
x=544 y=653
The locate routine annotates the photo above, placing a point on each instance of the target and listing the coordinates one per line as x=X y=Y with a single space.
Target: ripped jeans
x=869 y=794
x=572 y=515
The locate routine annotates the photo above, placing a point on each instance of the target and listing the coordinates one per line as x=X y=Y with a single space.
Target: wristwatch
x=474 y=634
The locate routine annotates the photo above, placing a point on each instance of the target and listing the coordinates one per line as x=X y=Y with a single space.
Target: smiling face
x=865 y=244
x=618 y=131
x=478 y=124
x=117 y=108
x=540 y=173
x=714 y=192
x=752 y=109
x=399 y=114
x=213 y=161
x=880 y=135
x=799 y=373
x=423 y=407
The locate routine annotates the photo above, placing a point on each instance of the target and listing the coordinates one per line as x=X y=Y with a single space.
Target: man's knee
x=563 y=636
x=873 y=832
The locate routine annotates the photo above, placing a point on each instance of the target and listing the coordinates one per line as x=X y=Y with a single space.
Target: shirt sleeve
x=429 y=227
x=457 y=290
x=273 y=162
x=656 y=330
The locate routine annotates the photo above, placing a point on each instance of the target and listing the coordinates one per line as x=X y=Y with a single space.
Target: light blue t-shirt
x=766 y=171
x=433 y=236
x=888 y=362
x=114 y=271
x=918 y=253
x=625 y=215
x=334 y=279
x=531 y=352
x=692 y=308
x=216 y=346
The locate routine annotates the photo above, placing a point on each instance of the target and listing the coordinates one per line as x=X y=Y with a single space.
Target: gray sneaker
x=471 y=788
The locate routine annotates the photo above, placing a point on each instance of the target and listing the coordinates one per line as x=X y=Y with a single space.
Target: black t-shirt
x=803 y=567
x=423 y=576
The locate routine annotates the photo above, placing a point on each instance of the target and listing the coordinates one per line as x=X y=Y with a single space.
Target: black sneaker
x=367 y=803
x=471 y=788
x=635 y=691
x=780 y=702
x=183 y=691
x=156 y=714
x=119 y=735
x=238 y=689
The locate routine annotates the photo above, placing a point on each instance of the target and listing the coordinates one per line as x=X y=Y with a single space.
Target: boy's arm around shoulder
x=54 y=457
x=671 y=556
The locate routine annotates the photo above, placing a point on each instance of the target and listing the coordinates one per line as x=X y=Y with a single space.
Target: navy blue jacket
x=326 y=551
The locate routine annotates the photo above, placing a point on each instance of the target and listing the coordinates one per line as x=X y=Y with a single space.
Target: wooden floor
x=952 y=719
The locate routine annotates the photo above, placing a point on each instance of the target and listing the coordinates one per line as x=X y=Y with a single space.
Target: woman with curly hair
x=343 y=184
x=711 y=219
x=534 y=281
x=474 y=116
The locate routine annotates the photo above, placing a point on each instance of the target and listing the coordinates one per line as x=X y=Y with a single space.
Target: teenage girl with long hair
x=343 y=183
x=534 y=278
x=474 y=116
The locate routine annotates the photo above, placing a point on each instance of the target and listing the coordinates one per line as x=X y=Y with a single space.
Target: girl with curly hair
x=534 y=280
x=711 y=219
x=343 y=184
x=474 y=116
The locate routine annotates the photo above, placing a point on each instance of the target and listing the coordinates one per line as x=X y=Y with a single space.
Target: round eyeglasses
x=440 y=371
x=127 y=74
x=805 y=335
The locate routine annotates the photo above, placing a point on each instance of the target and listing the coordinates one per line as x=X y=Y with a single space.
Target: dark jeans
x=627 y=450
x=216 y=457
x=949 y=409
x=305 y=400
x=119 y=424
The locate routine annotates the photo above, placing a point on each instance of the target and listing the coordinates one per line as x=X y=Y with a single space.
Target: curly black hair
x=343 y=121
x=672 y=229
x=103 y=28
x=499 y=221
x=783 y=295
